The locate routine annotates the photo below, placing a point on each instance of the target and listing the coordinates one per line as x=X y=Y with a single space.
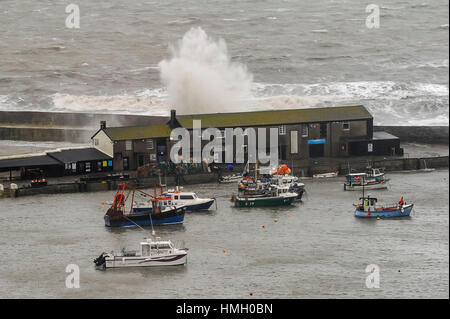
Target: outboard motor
x=100 y=261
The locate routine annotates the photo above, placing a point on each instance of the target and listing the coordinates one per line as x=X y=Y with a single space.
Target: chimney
x=173 y=115
x=102 y=125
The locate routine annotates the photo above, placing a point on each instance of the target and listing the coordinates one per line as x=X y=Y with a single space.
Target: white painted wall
x=104 y=143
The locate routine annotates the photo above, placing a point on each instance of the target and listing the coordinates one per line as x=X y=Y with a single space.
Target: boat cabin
x=368 y=204
x=182 y=196
x=149 y=247
x=160 y=203
x=356 y=178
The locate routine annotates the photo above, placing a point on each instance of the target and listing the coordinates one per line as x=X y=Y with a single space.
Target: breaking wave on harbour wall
x=200 y=77
x=389 y=102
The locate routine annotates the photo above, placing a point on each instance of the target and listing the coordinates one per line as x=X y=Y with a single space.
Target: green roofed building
x=302 y=134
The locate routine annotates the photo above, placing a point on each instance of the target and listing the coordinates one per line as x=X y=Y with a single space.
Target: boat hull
x=141 y=217
x=201 y=206
x=264 y=201
x=356 y=187
x=154 y=261
x=403 y=212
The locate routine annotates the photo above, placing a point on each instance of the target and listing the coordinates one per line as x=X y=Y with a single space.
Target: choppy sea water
x=315 y=249
x=299 y=54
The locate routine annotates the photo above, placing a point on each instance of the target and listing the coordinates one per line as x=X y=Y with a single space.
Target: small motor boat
x=151 y=253
x=230 y=178
x=369 y=208
x=326 y=175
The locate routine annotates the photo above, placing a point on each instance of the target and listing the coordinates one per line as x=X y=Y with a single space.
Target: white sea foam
x=109 y=104
x=200 y=77
x=387 y=100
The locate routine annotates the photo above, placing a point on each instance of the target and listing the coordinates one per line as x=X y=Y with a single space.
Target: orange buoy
x=103 y=203
x=263 y=226
x=224 y=251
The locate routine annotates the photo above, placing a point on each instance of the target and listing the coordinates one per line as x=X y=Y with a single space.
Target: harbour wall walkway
x=299 y=169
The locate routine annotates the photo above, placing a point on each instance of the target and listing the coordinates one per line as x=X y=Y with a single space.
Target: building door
x=161 y=149
x=282 y=154
x=357 y=148
x=316 y=150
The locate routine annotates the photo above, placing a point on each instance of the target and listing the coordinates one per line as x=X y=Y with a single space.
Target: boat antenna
x=363 y=182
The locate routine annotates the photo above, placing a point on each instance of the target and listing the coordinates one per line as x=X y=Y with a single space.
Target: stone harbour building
x=328 y=132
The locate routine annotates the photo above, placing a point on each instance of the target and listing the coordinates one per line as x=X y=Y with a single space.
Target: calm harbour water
x=316 y=248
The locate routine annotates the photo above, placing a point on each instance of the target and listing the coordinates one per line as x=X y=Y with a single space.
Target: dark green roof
x=137 y=132
x=243 y=119
x=276 y=117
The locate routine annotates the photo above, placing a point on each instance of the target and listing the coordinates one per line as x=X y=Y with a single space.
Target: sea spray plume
x=200 y=77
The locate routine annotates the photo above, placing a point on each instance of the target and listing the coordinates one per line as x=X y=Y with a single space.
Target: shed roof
x=79 y=155
x=137 y=132
x=276 y=117
x=28 y=161
x=381 y=135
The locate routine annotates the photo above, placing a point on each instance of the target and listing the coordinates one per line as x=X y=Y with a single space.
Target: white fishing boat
x=189 y=199
x=150 y=253
x=282 y=177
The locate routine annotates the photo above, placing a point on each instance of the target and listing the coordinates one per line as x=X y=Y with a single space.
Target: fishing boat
x=282 y=176
x=326 y=175
x=369 y=207
x=150 y=253
x=373 y=178
x=272 y=196
x=160 y=211
x=189 y=199
x=255 y=193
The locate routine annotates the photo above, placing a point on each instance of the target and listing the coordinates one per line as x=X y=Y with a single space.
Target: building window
x=95 y=141
x=128 y=145
x=323 y=130
x=282 y=130
x=88 y=167
x=346 y=126
x=149 y=143
x=294 y=142
x=305 y=130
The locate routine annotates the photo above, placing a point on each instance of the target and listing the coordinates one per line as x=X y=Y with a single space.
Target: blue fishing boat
x=370 y=208
x=161 y=211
